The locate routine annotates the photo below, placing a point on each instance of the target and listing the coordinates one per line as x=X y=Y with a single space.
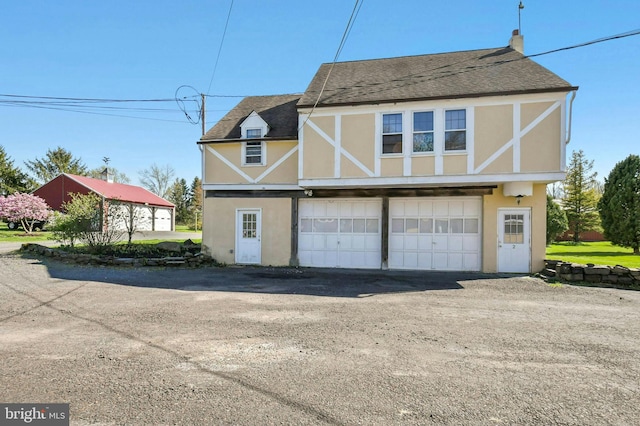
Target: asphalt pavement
x=285 y=346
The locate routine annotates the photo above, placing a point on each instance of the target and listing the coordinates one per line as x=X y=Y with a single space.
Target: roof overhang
x=435 y=98
x=283 y=138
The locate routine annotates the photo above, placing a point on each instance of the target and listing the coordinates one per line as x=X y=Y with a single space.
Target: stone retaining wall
x=188 y=259
x=573 y=272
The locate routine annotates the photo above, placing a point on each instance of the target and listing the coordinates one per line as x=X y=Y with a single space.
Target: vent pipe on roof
x=517 y=42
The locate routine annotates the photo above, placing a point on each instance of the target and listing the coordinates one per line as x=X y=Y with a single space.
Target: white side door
x=514 y=240
x=248 y=236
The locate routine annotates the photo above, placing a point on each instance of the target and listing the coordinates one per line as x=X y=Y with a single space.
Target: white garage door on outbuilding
x=435 y=233
x=343 y=233
x=163 y=220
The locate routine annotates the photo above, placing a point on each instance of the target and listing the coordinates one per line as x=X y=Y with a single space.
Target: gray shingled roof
x=471 y=73
x=278 y=111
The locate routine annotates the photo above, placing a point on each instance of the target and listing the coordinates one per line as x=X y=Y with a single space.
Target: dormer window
x=254 y=133
x=253 y=151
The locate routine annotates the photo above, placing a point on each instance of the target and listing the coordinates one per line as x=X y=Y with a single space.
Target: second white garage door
x=163 y=220
x=435 y=233
x=342 y=233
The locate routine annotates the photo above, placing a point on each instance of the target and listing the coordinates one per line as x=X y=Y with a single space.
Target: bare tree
x=555 y=190
x=132 y=217
x=157 y=179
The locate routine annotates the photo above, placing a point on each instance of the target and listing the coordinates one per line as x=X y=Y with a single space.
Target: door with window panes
x=514 y=240
x=248 y=236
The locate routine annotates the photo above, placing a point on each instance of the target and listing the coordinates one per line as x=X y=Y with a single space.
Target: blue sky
x=148 y=49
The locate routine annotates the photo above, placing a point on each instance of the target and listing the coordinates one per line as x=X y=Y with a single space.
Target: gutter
x=443 y=97
x=232 y=140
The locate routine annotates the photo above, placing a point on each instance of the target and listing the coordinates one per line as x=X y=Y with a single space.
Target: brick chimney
x=517 y=41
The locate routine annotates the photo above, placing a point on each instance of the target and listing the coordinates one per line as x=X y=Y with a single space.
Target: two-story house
x=434 y=162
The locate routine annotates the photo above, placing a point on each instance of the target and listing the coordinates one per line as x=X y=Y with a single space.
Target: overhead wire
x=86 y=105
x=81 y=105
x=94 y=113
x=588 y=43
x=224 y=33
x=345 y=36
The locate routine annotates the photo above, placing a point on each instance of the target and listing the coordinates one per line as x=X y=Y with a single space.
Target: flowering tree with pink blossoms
x=25 y=209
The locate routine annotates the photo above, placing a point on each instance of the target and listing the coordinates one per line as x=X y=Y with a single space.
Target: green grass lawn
x=187 y=228
x=18 y=235
x=598 y=253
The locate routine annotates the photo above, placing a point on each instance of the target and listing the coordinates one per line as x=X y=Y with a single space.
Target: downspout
x=568 y=136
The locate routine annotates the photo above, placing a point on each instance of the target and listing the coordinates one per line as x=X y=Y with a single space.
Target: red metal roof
x=121 y=191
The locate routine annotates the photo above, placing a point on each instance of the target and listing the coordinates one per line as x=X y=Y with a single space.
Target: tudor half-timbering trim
x=239 y=169
x=413 y=181
x=441 y=157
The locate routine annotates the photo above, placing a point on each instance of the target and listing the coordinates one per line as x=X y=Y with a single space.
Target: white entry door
x=514 y=240
x=248 y=236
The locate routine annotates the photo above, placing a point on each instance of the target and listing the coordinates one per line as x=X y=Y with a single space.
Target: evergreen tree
x=195 y=204
x=196 y=194
x=580 y=199
x=54 y=163
x=12 y=179
x=179 y=195
x=557 y=222
x=620 y=204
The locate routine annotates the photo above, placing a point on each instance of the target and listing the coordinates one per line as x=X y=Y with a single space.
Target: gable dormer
x=254 y=127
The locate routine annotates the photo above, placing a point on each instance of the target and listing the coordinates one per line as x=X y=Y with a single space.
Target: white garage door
x=342 y=233
x=162 y=220
x=435 y=233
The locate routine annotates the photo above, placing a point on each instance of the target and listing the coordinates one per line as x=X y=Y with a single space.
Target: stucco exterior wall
x=219 y=228
x=493 y=129
x=358 y=138
x=316 y=153
x=455 y=164
x=538 y=205
x=540 y=148
x=506 y=135
x=423 y=165
x=217 y=171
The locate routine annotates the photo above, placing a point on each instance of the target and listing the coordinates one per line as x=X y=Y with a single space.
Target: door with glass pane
x=514 y=240
x=248 y=236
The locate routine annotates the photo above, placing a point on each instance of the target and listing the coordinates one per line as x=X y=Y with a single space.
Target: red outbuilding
x=154 y=213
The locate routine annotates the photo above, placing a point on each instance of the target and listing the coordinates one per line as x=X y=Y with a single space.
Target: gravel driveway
x=256 y=346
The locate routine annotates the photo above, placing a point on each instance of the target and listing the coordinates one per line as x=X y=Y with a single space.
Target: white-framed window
x=253 y=151
x=423 y=131
x=392 y=133
x=455 y=126
x=254 y=133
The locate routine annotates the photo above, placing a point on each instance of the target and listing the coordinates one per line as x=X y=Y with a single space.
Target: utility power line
x=345 y=36
x=94 y=105
x=224 y=33
x=588 y=43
